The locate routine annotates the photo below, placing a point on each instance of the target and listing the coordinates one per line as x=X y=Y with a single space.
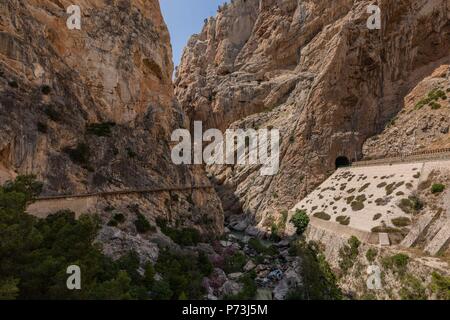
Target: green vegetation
x=410 y=205
x=141 y=223
x=432 y=98
x=401 y=222
x=371 y=254
x=435 y=105
x=397 y=263
x=322 y=215
x=364 y=187
x=256 y=245
x=235 y=263
x=382 y=185
x=385 y=229
x=182 y=274
x=440 y=285
x=437 y=188
x=319 y=281
x=390 y=188
x=300 y=220
x=412 y=288
x=184 y=236
x=357 y=205
x=103 y=129
x=35 y=253
x=277 y=229
x=117 y=219
x=344 y=220
x=348 y=254
x=377 y=216
x=361 y=198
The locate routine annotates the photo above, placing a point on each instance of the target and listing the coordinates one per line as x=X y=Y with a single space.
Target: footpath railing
x=122 y=192
x=435 y=154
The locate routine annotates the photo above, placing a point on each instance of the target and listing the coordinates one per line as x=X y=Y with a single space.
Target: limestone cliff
x=313 y=70
x=423 y=122
x=93 y=109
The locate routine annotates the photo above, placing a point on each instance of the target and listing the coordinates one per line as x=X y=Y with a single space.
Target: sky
x=184 y=18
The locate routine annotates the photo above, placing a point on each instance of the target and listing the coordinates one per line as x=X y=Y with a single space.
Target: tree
x=300 y=220
x=8 y=289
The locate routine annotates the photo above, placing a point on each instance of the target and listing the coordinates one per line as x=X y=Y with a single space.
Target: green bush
x=256 y=245
x=398 y=263
x=300 y=220
x=440 y=285
x=116 y=220
x=344 y=220
x=235 y=263
x=432 y=98
x=435 y=105
x=349 y=253
x=357 y=205
x=411 y=204
x=377 y=216
x=319 y=281
x=183 y=275
x=401 y=222
x=35 y=253
x=437 y=188
x=371 y=254
x=322 y=215
x=142 y=224
x=412 y=289
x=184 y=236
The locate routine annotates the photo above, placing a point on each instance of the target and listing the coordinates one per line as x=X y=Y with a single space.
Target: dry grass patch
x=344 y=220
x=322 y=215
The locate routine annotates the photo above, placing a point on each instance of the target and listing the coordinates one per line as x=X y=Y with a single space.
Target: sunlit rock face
x=314 y=70
x=93 y=109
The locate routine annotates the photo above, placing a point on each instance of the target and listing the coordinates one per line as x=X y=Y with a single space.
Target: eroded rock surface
x=93 y=109
x=315 y=72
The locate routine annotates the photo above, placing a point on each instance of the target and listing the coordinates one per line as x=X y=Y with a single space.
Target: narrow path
x=122 y=192
x=418 y=156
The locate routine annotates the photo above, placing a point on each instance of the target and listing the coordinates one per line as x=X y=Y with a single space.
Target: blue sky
x=184 y=18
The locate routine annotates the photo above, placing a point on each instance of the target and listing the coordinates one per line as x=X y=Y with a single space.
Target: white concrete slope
x=369 y=198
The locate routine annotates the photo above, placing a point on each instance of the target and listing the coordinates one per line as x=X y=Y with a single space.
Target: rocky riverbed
x=241 y=255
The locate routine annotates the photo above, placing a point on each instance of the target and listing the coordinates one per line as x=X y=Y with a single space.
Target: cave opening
x=342 y=162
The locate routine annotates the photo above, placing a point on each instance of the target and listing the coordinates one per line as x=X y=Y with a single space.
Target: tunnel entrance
x=342 y=162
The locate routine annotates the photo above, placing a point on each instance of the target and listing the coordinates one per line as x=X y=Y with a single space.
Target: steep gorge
x=93 y=109
x=313 y=70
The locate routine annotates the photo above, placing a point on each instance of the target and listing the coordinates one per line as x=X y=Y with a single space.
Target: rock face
x=422 y=124
x=314 y=71
x=93 y=109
